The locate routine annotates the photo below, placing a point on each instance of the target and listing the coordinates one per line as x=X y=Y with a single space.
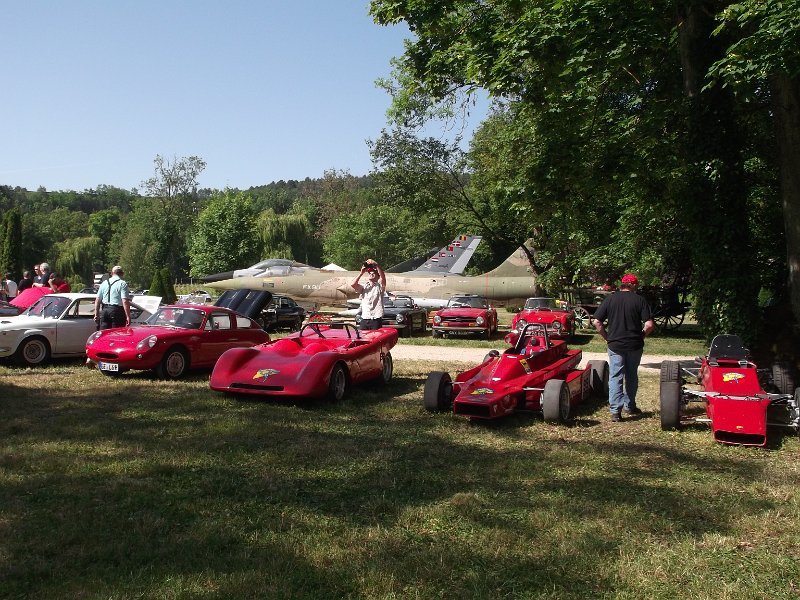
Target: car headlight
x=437 y=320
x=480 y=321
x=556 y=325
x=93 y=337
x=400 y=318
x=521 y=325
x=147 y=343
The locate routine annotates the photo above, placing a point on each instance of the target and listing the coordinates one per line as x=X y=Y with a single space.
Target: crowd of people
x=43 y=277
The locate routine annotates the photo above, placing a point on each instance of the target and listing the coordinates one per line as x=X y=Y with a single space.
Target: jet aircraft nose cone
x=217 y=277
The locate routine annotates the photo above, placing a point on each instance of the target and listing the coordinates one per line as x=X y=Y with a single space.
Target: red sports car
x=176 y=338
x=465 y=314
x=321 y=360
x=559 y=319
x=733 y=390
x=535 y=374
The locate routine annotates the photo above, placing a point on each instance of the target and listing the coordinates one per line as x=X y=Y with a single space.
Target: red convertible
x=176 y=338
x=560 y=319
x=465 y=314
x=535 y=374
x=321 y=360
x=733 y=390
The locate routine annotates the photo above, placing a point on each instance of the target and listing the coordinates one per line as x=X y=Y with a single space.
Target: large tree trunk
x=786 y=106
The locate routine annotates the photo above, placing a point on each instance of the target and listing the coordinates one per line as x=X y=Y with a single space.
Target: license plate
x=104 y=366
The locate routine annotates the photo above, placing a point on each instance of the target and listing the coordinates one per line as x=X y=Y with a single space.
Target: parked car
x=175 y=339
x=56 y=325
x=465 y=314
x=282 y=313
x=534 y=374
x=402 y=313
x=321 y=360
x=195 y=297
x=740 y=400
x=555 y=314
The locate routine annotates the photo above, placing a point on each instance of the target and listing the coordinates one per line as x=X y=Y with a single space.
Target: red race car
x=176 y=338
x=733 y=390
x=559 y=319
x=321 y=360
x=535 y=374
x=465 y=314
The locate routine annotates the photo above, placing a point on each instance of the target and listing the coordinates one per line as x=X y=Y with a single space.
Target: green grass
x=135 y=488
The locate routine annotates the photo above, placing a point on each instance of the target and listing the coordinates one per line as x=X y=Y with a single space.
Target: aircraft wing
x=452 y=258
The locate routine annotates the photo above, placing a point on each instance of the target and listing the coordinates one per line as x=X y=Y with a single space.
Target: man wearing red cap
x=629 y=321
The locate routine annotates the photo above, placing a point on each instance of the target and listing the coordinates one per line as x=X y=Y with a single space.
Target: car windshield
x=399 y=302
x=466 y=301
x=185 y=318
x=534 y=303
x=49 y=307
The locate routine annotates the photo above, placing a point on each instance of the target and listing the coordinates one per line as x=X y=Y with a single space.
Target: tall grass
x=136 y=488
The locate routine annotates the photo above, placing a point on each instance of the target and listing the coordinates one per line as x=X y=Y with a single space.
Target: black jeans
x=367 y=324
x=112 y=315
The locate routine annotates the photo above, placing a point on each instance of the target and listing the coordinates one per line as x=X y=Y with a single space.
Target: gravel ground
x=472 y=356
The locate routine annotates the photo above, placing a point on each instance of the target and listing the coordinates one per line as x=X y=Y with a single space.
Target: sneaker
x=633 y=411
x=616 y=417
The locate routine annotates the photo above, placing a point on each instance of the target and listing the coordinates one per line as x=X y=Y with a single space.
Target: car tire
x=670 y=395
x=337 y=384
x=436 y=334
x=173 y=364
x=297 y=324
x=388 y=368
x=32 y=352
x=438 y=393
x=598 y=373
x=783 y=377
x=555 y=401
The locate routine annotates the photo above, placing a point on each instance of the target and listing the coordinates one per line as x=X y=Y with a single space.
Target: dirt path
x=472 y=356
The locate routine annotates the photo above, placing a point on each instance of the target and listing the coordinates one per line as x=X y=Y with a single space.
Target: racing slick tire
x=555 y=401
x=598 y=371
x=670 y=395
x=783 y=378
x=337 y=386
x=32 y=352
x=388 y=369
x=438 y=394
x=173 y=365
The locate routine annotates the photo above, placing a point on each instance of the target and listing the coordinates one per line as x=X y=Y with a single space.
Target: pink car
x=321 y=360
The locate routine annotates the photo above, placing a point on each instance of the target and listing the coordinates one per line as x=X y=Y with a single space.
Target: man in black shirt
x=629 y=321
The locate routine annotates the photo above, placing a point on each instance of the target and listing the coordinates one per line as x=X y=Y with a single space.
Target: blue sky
x=261 y=90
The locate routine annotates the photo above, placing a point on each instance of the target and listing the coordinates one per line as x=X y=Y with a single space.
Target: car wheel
x=388 y=368
x=598 y=371
x=437 y=396
x=337 y=386
x=436 y=334
x=173 y=365
x=783 y=378
x=670 y=395
x=582 y=318
x=488 y=333
x=555 y=401
x=32 y=352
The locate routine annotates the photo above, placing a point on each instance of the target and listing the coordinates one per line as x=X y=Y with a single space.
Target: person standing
x=112 y=307
x=630 y=320
x=10 y=286
x=371 y=294
x=44 y=277
x=25 y=282
x=37 y=274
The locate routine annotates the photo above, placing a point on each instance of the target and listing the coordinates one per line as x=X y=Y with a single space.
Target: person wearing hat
x=629 y=320
x=112 y=307
x=371 y=294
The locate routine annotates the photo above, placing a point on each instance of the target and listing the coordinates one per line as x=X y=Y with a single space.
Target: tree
x=225 y=235
x=11 y=249
x=79 y=257
x=174 y=186
x=287 y=236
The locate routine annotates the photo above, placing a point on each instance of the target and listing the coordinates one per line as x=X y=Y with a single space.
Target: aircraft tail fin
x=516 y=265
x=453 y=258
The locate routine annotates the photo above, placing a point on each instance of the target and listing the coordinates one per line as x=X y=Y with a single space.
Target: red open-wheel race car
x=535 y=374
x=737 y=404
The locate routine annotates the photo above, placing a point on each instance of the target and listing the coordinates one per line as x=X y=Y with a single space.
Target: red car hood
x=462 y=312
x=126 y=336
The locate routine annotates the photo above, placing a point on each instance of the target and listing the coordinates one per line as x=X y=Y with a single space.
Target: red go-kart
x=738 y=407
x=535 y=374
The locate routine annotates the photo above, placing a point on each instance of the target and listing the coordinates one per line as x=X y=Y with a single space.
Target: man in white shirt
x=371 y=294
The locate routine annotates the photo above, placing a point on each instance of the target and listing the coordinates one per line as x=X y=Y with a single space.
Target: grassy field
x=137 y=488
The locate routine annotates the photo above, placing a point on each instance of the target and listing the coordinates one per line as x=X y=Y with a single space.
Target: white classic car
x=56 y=325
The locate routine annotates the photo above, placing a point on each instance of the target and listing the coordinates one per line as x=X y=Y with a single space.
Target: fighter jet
x=510 y=280
x=452 y=258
